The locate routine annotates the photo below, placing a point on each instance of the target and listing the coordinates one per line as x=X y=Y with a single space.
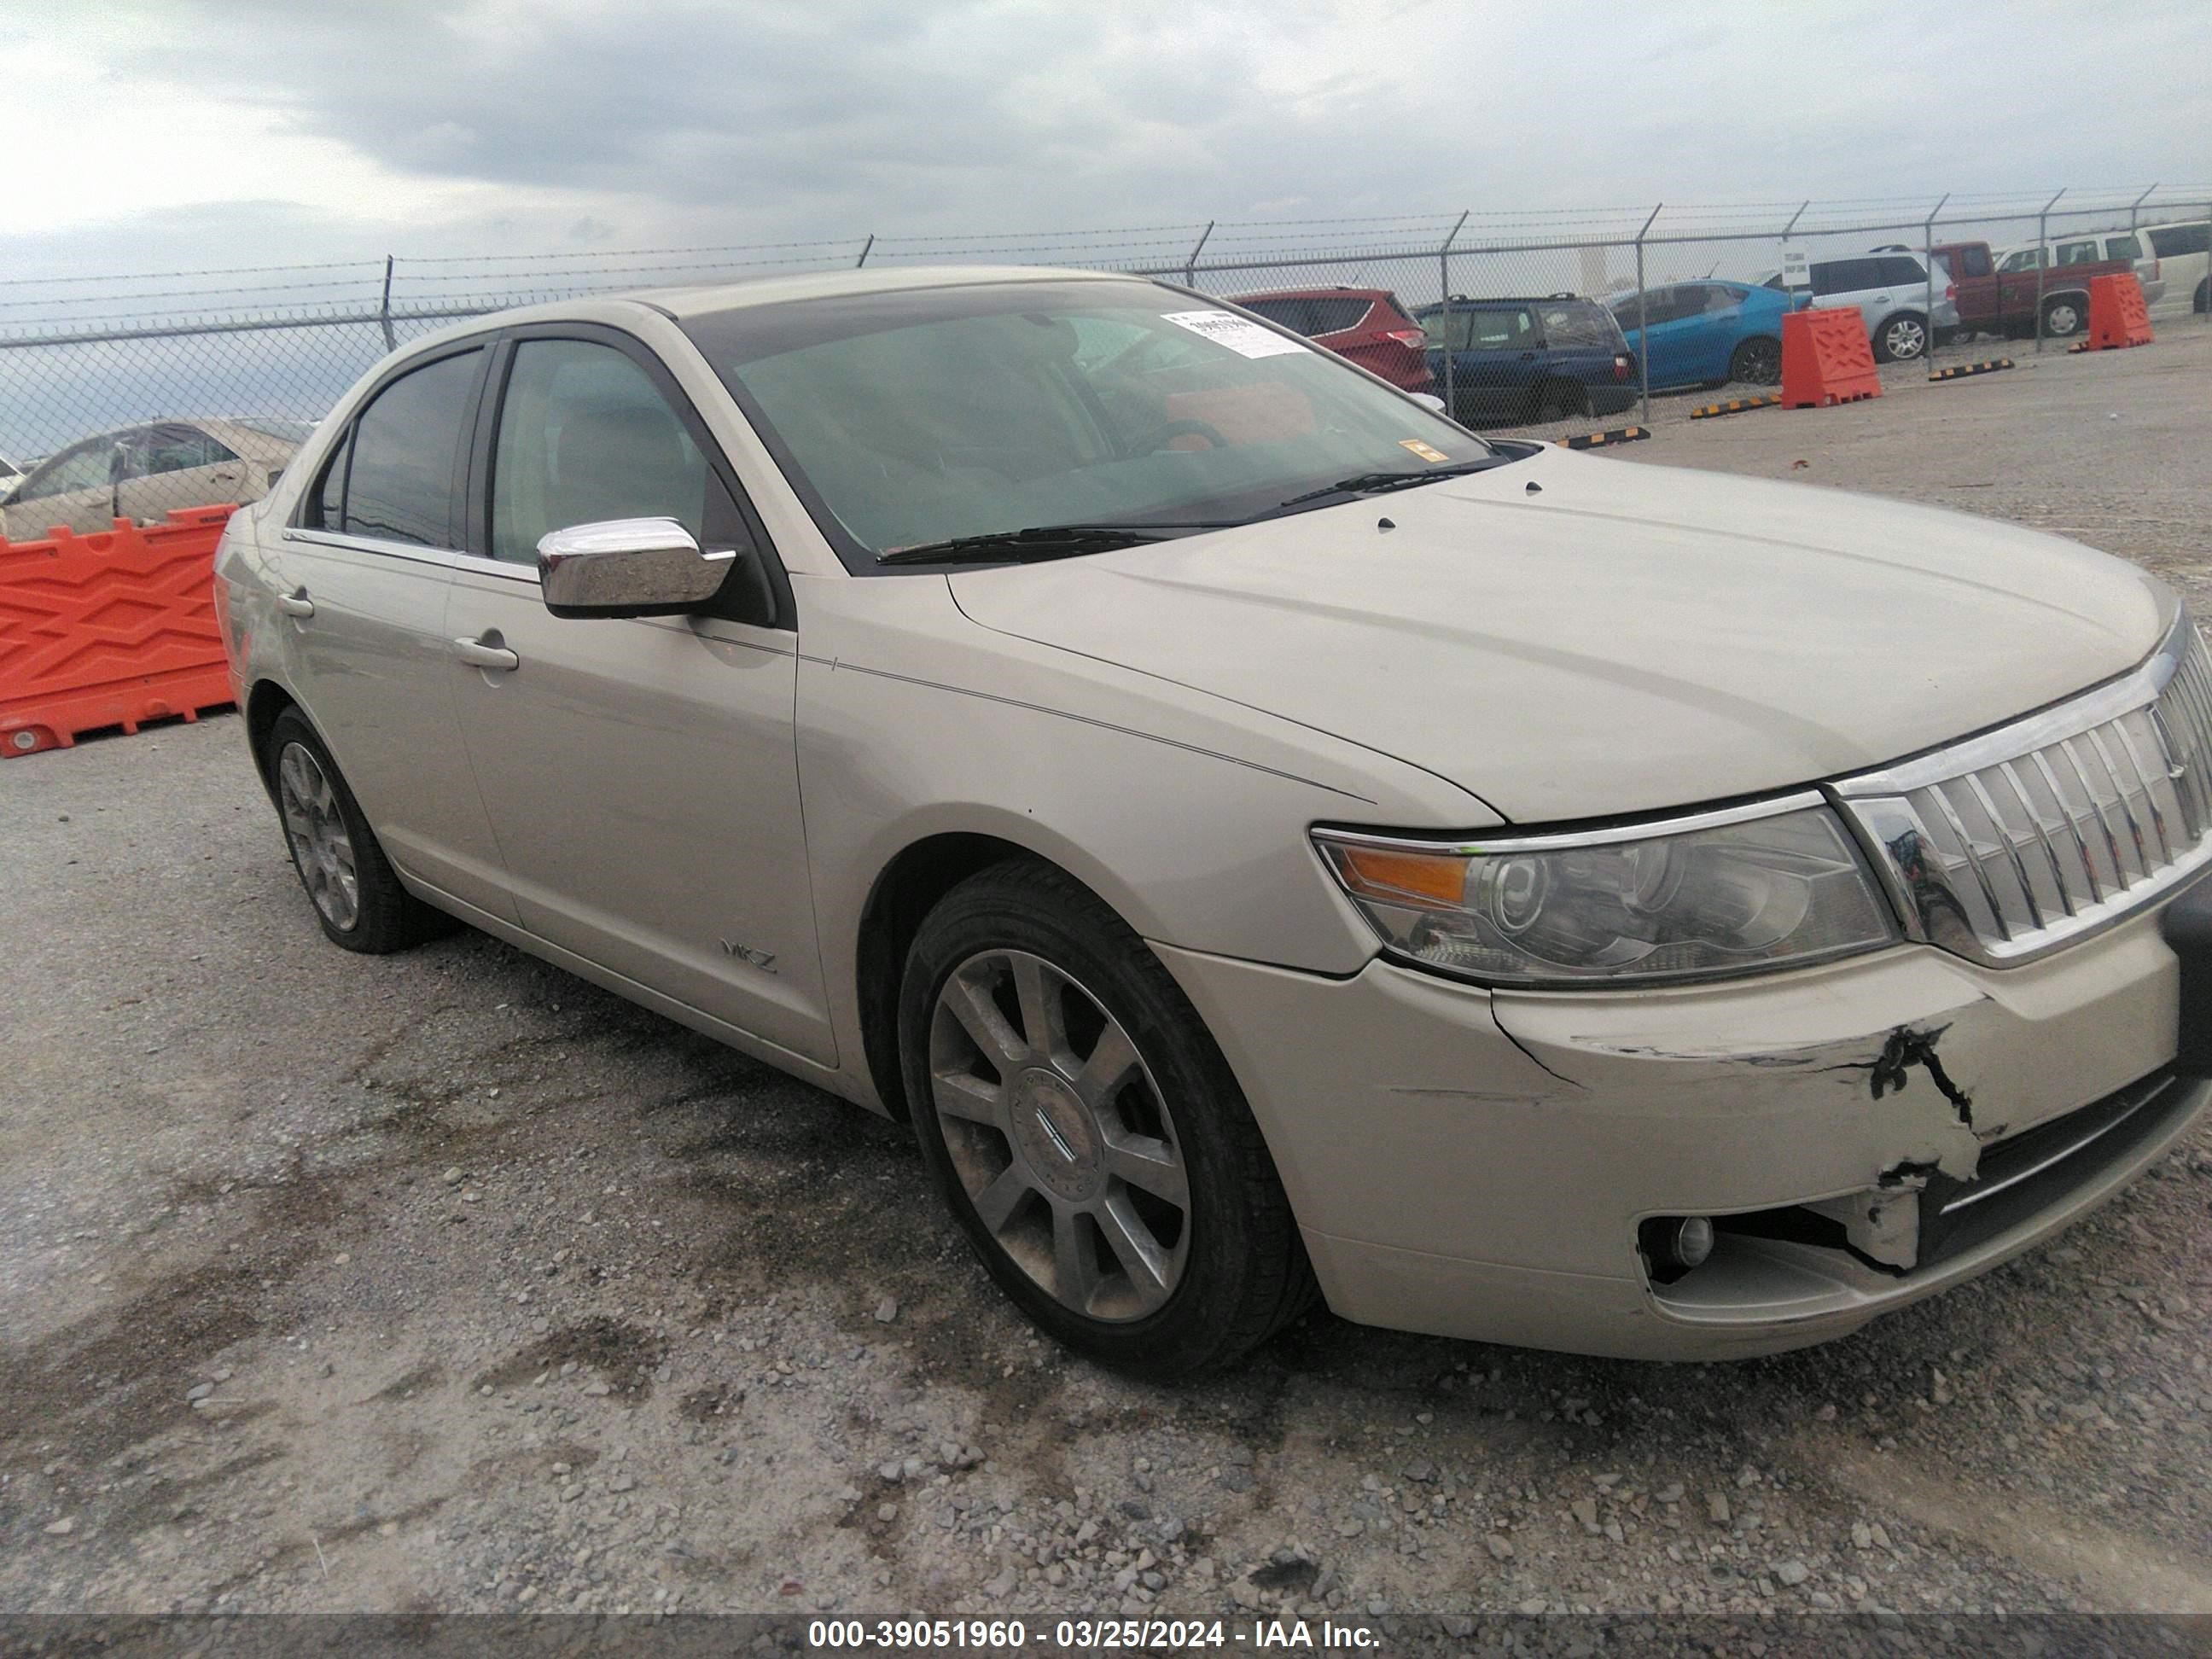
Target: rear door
x=1497 y=360
x=173 y=466
x=643 y=772
x=1666 y=340
x=363 y=569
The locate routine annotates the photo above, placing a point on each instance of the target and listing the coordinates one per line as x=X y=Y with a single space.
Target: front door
x=74 y=490
x=362 y=572
x=642 y=774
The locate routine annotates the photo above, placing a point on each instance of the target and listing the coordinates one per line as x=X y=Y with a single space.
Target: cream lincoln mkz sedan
x=1271 y=843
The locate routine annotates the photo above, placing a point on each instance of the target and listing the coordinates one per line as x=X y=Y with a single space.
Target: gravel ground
x=445 y=1281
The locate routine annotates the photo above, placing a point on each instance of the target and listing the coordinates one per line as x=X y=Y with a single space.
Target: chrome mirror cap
x=628 y=568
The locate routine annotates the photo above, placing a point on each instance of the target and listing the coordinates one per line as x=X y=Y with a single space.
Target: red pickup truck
x=1993 y=302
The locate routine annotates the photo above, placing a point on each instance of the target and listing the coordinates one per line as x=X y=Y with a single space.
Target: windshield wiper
x=1375 y=484
x=1049 y=541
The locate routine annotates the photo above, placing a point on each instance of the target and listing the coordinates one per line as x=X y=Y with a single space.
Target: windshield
x=914 y=417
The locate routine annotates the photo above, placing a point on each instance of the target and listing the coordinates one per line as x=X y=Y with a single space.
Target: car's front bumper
x=1477 y=1164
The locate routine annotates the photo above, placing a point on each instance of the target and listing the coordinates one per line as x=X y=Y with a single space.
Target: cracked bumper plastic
x=1474 y=1165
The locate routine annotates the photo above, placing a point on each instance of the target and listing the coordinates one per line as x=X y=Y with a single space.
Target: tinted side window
x=1334 y=316
x=585 y=435
x=1900 y=272
x=2171 y=241
x=1283 y=313
x=2123 y=248
x=1446 y=329
x=324 y=508
x=1974 y=260
x=406 y=444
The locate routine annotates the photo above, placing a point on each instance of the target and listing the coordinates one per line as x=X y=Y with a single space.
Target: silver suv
x=1890 y=289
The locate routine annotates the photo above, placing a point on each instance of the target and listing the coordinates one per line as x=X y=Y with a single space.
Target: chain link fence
x=130 y=395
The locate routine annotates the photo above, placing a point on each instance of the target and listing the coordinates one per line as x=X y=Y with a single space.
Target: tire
x=2064 y=316
x=1902 y=337
x=2202 y=300
x=1006 y=1131
x=1757 y=362
x=357 y=897
x=1559 y=400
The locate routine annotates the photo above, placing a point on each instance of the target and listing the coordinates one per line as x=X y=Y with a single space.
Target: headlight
x=1779 y=885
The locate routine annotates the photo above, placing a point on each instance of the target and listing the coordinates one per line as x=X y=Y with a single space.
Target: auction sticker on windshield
x=1240 y=334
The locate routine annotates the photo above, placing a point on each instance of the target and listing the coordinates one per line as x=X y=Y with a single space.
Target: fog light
x=1673 y=1244
x=1694 y=1240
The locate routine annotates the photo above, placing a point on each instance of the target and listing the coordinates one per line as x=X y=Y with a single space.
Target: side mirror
x=1429 y=400
x=633 y=568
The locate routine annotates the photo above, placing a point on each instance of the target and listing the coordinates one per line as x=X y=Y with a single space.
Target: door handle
x=295 y=604
x=487 y=652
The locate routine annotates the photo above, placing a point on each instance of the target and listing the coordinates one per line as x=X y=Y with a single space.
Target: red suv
x=1366 y=325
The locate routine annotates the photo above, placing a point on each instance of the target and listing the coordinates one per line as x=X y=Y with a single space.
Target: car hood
x=1620 y=638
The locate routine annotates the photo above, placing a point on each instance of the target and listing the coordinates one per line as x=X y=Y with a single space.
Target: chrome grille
x=2009 y=843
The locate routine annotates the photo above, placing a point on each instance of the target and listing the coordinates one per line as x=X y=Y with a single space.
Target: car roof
x=681 y=302
x=1511 y=300
x=1336 y=292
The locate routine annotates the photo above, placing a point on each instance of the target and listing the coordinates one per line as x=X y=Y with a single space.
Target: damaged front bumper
x=1481 y=1165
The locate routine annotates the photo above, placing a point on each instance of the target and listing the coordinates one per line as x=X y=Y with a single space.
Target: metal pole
x=2136 y=203
x=864 y=249
x=384 y=309
x=2042 y=258
x=1190 y=265
x=1444 y=314
x=1928 y=262
x=1794 y=218
x=1642 y=325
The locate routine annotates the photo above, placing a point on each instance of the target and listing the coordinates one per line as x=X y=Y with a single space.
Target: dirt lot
x=445 y=1281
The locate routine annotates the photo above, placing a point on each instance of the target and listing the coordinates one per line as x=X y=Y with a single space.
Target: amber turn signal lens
x=1385 y=873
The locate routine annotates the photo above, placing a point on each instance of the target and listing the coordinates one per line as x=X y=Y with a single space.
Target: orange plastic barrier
x=2118 y=315
x=1827 y=358
x=111 y=629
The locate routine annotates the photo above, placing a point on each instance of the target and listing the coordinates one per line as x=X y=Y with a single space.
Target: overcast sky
x=162 y=136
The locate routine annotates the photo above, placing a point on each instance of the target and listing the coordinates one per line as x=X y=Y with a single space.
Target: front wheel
x=1757 y=363
x=1087 y=1134
x=1901 y=338
x=1559 y=400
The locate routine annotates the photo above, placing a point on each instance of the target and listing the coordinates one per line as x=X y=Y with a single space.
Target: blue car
x=1516 y=361
x=1706 y=333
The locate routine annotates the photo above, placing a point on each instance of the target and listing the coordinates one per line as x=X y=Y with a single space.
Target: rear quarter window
x=1586 y=326
x=2171 y=241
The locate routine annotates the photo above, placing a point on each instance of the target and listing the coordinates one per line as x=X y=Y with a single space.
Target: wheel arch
x=904 y=891
x=264 y=703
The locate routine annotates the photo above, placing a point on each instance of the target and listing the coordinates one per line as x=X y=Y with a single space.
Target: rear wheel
x=357 y=898
x=1087 y=1134
x=1559 y=400
x=2203 y=299
x=2064 y=317
x=1757 y=363
x=1901 y=338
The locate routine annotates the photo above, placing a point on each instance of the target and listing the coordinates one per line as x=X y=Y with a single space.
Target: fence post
x=1642 y=327
x=2042 y=259
x=384 y=310
x=2136 y=204
x=865 y=246
x=1443 y=313
x=1190 y=264
x=1928 y=264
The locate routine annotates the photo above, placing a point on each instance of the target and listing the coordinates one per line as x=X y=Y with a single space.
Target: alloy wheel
x=1758 y=362
x=1059 y=1136
x=321 y=846
x=1905 y=338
